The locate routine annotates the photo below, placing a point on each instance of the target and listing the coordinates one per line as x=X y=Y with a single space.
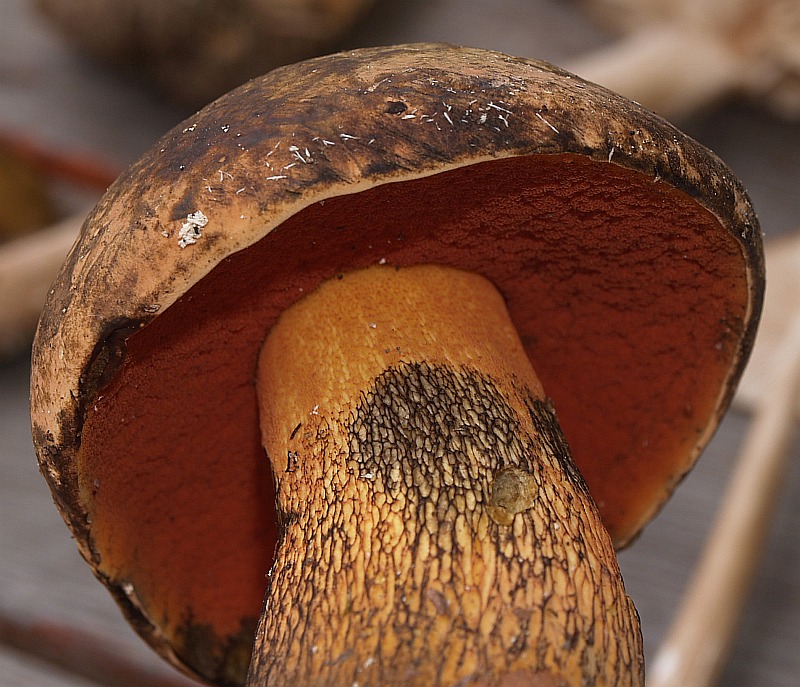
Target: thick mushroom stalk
x=435 y=528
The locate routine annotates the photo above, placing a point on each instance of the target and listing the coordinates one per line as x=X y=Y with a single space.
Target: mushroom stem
x=698 y=642
x=435 y=530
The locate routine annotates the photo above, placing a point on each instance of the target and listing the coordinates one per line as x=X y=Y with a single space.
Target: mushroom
x=195 y=51
x=677 y=57
x=311 y=347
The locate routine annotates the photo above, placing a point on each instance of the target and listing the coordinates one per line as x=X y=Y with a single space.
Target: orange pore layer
x=628 y=297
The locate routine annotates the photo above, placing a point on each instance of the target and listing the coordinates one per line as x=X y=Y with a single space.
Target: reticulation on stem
x=435 y=532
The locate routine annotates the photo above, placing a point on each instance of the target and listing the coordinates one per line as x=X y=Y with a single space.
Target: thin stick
x=670 y=68
x=699 y=640
x=82 y=654
x=72 y=166
x=28 y=265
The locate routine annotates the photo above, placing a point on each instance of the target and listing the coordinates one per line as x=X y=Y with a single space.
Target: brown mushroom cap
x=628 y=254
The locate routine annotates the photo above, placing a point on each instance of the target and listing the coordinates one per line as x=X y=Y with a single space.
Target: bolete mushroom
x=388 y=270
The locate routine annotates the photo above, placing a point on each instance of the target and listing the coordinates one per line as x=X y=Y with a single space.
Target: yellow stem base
x=435 y=530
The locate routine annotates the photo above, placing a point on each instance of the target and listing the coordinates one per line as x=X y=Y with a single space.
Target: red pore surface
x=628 y=296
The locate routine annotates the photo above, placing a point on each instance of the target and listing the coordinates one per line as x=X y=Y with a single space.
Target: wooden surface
x=47 y=92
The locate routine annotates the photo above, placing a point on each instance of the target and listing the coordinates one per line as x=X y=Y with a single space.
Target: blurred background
x=88 y=85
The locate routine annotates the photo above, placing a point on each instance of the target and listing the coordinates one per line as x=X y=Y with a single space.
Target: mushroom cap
x=628 y=254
